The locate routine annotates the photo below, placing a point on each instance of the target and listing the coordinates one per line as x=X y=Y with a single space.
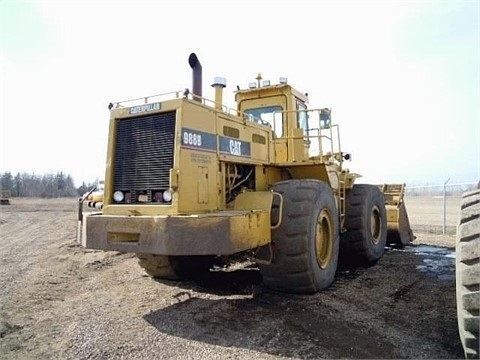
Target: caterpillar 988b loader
x=190 y=183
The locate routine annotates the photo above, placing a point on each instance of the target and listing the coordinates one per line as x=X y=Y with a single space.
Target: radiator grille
x=144 y=153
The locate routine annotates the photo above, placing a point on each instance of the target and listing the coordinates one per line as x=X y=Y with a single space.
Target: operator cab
x=282 y=108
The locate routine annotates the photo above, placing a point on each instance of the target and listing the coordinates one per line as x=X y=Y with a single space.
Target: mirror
x=325 y=118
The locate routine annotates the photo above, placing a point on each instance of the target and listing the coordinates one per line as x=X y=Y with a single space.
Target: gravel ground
x=60 y=301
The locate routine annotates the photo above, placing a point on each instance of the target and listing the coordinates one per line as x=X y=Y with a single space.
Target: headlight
x=167 y=195
x=118 y=196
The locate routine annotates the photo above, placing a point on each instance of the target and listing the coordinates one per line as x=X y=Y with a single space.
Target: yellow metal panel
x=221 y=233
x=319 y=172
x=274 y=174
x=392 y=216
x=261 y=180
x=198 y=117
x=257 y=136
x=259 y=203
x=254 y=200
x=202 y=185
x=398 y=224
x=280 y=151
x=298 y=153
x=251 y=231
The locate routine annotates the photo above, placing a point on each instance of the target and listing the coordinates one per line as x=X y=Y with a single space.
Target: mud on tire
x=305 y=245
x=467 y=271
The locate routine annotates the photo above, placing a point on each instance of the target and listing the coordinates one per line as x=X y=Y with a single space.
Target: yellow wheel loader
x=95 y=198
x=5 y=197
x=191 y=183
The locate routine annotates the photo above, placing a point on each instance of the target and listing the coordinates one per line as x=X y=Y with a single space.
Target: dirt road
x=59 y=301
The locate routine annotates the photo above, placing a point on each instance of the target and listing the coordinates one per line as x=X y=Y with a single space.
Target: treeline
x=43 y=186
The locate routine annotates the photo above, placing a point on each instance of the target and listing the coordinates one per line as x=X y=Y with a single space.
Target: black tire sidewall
x=294 y=267
x=324 y=200
x=357 y=246
x=375 y=251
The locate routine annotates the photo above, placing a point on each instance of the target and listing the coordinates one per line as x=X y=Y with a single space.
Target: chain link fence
x=435 y=208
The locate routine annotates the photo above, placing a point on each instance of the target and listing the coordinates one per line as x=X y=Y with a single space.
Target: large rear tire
x=175 y=267
x=157 y=266
x=467 y=270
x=305 y=245
x=192 y=267
x=366 y=223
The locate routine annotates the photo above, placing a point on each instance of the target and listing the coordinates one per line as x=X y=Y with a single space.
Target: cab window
x=302 y=117
x=271 y=115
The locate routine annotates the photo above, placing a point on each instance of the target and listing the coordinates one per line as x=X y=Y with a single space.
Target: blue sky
x=402 y=77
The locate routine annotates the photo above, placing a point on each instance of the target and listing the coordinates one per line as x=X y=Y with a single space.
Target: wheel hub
x=376 y=225
x=324 y=239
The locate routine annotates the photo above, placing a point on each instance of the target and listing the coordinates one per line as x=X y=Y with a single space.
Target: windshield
x=271 y=115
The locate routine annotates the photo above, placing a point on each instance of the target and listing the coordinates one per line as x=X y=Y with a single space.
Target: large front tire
x=366 y=223
x=467 y=271
x=305 y=245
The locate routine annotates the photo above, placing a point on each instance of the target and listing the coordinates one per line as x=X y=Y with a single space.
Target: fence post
x=445 y=205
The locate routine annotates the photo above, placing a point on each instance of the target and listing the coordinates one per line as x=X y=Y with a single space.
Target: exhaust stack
x=196 y=77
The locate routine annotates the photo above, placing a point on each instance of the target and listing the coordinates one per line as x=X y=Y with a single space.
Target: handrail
x=147 y=99
x=186 y=94
x=329 y=135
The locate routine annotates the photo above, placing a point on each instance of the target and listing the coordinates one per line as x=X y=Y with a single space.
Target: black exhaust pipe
x=197 y=76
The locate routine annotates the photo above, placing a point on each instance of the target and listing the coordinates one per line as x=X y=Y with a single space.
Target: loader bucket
x=399 y=231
